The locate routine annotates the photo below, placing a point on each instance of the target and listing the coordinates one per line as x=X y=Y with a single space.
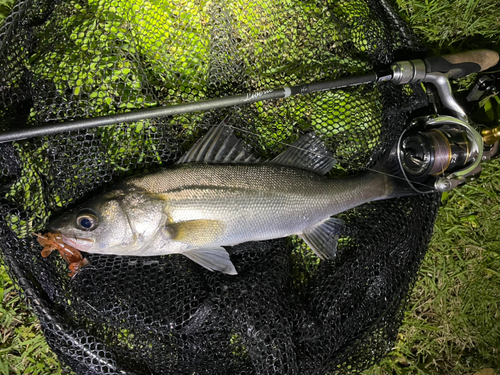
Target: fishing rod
x=436 y=153
x=431 y=69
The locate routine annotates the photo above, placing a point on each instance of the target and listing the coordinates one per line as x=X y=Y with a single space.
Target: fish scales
x=269 y=201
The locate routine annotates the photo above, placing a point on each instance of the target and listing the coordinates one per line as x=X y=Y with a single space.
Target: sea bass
x=219 y=195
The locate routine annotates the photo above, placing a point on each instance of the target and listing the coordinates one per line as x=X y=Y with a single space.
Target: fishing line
x=405 y=178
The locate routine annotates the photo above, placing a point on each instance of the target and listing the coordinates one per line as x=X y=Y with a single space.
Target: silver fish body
x=257 y=202
x=196 y=208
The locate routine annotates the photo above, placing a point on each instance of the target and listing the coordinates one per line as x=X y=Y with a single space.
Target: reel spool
x=435 y=151
x=441 y=150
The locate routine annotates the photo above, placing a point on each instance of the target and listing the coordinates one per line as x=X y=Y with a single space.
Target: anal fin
x=214 y=259
x=323 y=237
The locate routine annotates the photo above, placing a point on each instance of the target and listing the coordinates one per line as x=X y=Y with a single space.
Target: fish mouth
x=79 y=243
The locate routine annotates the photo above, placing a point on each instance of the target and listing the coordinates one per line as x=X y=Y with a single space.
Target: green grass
x=453 y=322
x=23 y=349
x=453 y=25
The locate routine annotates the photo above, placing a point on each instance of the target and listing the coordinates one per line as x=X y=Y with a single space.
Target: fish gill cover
x=284 y=312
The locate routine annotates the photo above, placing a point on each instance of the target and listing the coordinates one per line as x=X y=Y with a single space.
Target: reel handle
x=491 y=136
x=459 y=65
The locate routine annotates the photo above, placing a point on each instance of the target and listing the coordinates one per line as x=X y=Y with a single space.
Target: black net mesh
x=285 y=312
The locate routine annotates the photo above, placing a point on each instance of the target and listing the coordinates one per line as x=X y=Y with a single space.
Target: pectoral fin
x=323 y=237
x=196 y=232
x=215 y=259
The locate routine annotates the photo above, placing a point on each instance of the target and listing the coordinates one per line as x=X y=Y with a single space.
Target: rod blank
x=143 y=114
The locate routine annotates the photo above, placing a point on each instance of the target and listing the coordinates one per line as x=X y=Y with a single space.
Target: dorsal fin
x=219 y=145
x=308 y=153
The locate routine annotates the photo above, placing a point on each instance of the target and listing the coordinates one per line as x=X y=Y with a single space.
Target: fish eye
x=86 y=220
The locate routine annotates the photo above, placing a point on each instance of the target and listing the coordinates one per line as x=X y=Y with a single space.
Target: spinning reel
x=443 y=149
x=440 y=152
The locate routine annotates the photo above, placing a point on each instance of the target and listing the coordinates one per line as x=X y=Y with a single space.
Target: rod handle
x=461 y=64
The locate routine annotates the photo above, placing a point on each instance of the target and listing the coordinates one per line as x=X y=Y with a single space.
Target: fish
x=218 y=195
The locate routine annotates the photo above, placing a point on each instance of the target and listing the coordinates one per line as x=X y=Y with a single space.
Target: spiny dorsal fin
x=219 y=145
x=308 y=153
x=323 y=237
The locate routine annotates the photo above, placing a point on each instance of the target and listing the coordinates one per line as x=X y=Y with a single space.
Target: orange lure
x=53 y=241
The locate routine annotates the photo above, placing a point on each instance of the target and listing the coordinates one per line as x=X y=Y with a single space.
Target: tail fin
x=398 y=185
